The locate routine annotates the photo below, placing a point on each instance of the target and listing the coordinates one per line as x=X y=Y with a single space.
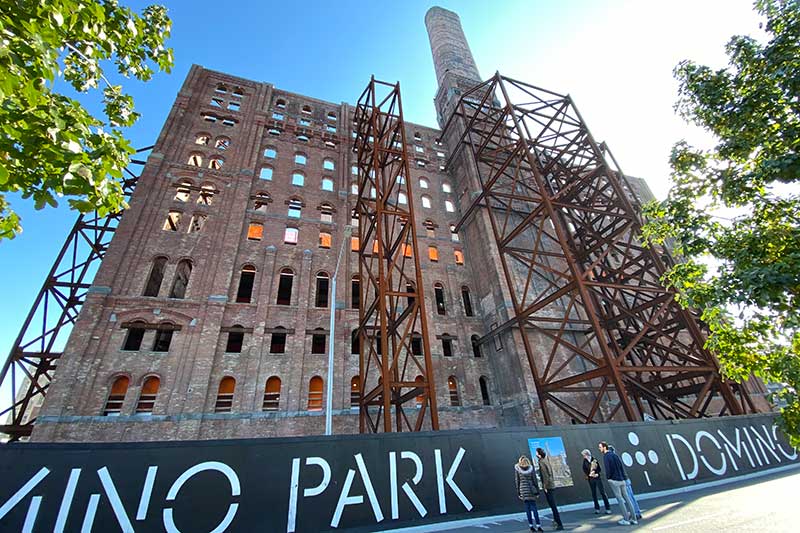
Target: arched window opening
x=318 y=341
x=355 y=392
x=438 y=291
x=459 y=257
x=423 y=183
x=163 y=337
x=295 y=208
x=452 y=388
x=476 y=347
x=453 y=233
x=261 y=201
x=183 y=191
x=202 y=139
x=448 y=206
x=402 y=199
x=221 y=89
x=179 y=285
x=116 y=396
x=247 y=279
x=285 y=287
x=216 y=163
x=306 y=110
x=195 y=159
x=355 y=292
x=467 y=301
x=255 y=231
x=416 y=344
x=280 y=104
x=270 y=153
x=300 y=159
x=222 y=143
x=235 y=340
x=224 y=402
x=328 y=164
x=426 y=201
x=332 y=116
x=265 y=173
x=133 y=340
x=355 y=342
x=291 y=235
x=433 y=253
x=446 y=187
x=272 y=394
x=485 y=391
x=173 y=221
x=354 y=188
x=153 y=284
x=325 y=239
x=147 y=397
x=315 y=394
x=298 y=179
x=206 y=196
x=447 y=345
x=327 y=184
x=197 y=222
x=321 y=294
x=277 y=343
x=326 y=213
x=420 y=400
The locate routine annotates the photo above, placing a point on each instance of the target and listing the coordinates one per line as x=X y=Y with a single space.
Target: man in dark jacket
x=615 y=472
x=592 y=471
x=549 y=486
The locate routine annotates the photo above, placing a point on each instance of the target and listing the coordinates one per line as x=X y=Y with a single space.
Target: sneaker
x=608 y=511
x=635 y=522
x=539 y=528
x=597 y=511
x=624 y=522
x=638 y=517
x=532 y=528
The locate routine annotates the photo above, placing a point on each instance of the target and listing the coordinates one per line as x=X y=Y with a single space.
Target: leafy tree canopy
x=743 y=272
x=50 y=145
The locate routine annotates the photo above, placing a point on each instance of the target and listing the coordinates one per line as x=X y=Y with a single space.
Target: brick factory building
x=209 y=315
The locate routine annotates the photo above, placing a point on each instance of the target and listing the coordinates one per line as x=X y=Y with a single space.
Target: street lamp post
x=329 y=393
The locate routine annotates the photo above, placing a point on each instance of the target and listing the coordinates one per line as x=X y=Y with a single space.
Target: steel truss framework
x=604 y=339
x=32 y=361
x=397 y=386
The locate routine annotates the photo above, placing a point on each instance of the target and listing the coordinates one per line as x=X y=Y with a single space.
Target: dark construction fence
x=361 y=482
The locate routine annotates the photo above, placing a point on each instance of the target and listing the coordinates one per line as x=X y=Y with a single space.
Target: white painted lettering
x=695 y=466
x=233 y=479
x=716 y=471
x=738 y=449
x=294 y=486
x=440 y=480
x=66 y=501
x=406 y=487
x=790 y=456
x=24 y=491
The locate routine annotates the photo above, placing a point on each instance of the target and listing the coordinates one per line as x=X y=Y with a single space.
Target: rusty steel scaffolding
x=32 y=360
x=397 y=390
x=604 y=339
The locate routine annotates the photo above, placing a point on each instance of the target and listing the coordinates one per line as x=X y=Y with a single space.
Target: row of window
x=272 y=394
x=215 y=162
x=220 y=143
x=213 y=119
x=298 y=179
x=306 y=109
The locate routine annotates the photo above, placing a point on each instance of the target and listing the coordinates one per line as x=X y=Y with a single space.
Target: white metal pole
x=331 y=337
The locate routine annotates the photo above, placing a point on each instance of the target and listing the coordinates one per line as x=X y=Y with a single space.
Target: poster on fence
x=556 y=457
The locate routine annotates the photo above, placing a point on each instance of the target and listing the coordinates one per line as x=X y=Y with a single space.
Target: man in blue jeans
x=615 y=473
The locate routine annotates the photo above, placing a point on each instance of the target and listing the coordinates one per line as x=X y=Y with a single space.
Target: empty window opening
x=419 y=149
x=459 y=256
x=280 y=104
x=447 y=346
x=235 y=340
x=306 y=110
x=453 y=233
x=228 y=122
x=423 y=183
x=325 y=239
x=163 y=337
x=270 y=153
x=416 y=344
x=291 y=235
x=485 y=391
x=298 y=179
x=133 y=340
x=448 y=206
x=426 y=201
x=207 y=192
x=265 y=173
x=234 y=106
x=327 y=184
x=355 y=342
x=330 y=129
x=247 y=279
x=116 y=396
x=153 y=284
x=277 y=343
x=216 y=102
x=355 y=292
x=261 y=201
x=195 y=160
x=438 y=291
x=318 y=342
x=183 y=191
x=467 y=301
x=222 y=143
x=196 y=223
x=209 y=118
x=476 y=347
x=147 y=396
x=315 y=394
x=302 y=137
x=202 y=139
x=446 y=187
x=328 y=164
x=224 y=402
x=277 y=116
x=285 y=287
x=255 y=231
x=304 y=122
x=430 y=228
x=300 y=159
x=452 y=388
x=321 y=299
x=433 y=253
x=272 y=394
x=215 y=163
x=221 y=89
x=182 y=273
x=355 y=392
x=411 y=290
x=417 y=136
x=354 y=170
x=295 y=208
x=402 y=198
x=354 y=188
x=421 y=163
x=326 y=213
x=420 y=399
x=332 y=116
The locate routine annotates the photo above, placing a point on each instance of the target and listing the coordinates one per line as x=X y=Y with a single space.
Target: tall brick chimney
x=449 y=46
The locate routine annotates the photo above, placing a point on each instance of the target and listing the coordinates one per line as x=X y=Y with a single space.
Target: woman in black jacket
x=528 y=490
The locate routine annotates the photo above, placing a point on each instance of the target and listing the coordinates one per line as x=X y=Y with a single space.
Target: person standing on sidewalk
x=592 y=471
x=636 y=510
x=615 y=473
x=549 y=486
x=528 y=490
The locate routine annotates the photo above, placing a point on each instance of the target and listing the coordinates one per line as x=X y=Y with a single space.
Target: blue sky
x=614 y=57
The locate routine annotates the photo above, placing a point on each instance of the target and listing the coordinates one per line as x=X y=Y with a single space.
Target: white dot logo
x=639 y=456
